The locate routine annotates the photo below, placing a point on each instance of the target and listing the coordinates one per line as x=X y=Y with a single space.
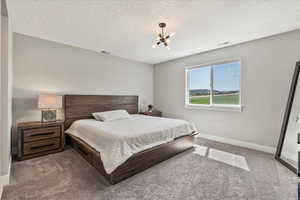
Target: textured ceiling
x=126 y=28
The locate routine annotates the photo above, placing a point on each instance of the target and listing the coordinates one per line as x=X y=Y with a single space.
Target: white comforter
x=120 y=139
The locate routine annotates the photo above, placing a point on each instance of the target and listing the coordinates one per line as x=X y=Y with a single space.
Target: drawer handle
x=82 y=151
x=41 y=146
x=41 y=134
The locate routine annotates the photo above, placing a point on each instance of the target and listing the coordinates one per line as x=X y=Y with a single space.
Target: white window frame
x=211 y=106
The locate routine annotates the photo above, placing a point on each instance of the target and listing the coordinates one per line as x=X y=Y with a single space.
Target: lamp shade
x=49 y=101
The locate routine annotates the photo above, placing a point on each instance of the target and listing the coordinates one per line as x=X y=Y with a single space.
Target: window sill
x=233 y=108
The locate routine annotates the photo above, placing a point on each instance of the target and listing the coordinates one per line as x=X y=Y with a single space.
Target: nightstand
x=37 y=139
x=154 y=113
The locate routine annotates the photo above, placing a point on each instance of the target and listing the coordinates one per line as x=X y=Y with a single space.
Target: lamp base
x=48 y=116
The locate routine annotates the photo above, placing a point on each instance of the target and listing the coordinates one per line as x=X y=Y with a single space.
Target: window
x=214 y=85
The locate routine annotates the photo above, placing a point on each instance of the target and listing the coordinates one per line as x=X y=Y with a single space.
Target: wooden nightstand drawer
x=41 y=133
x=41 y=146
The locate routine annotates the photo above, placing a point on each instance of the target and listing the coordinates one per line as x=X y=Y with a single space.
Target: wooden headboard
x=82 y=106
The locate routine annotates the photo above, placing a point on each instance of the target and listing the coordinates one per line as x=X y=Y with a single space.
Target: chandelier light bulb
x=172 y=34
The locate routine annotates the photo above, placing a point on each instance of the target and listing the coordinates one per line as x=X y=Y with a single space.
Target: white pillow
x=111 y=115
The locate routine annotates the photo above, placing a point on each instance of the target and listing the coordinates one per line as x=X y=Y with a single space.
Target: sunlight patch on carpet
x=228 y=158
x=200 y=150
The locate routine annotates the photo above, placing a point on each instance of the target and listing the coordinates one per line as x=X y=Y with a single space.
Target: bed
x=78 y=113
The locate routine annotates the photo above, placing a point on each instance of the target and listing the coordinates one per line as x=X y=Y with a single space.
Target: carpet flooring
x=211 y=171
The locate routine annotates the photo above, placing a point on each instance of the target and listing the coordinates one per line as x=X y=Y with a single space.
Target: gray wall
x=42 y=66
x=6 y=96
x=267 y=69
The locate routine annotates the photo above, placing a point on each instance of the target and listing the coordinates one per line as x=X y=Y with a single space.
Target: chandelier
x=162 y=38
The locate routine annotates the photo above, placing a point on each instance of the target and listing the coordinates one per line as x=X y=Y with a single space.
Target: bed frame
x=82 y=106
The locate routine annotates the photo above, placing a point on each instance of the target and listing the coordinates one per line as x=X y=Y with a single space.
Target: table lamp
x=49 y=104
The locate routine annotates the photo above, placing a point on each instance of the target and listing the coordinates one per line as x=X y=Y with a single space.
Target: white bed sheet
x=118 y=140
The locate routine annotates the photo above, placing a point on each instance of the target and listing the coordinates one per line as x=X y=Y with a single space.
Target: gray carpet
x=206 y=173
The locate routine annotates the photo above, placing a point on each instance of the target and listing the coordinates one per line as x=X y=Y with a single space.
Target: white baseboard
x=240 y=143
x=4 y=180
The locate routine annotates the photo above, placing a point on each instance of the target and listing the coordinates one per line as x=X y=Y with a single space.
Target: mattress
x=118 y=140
